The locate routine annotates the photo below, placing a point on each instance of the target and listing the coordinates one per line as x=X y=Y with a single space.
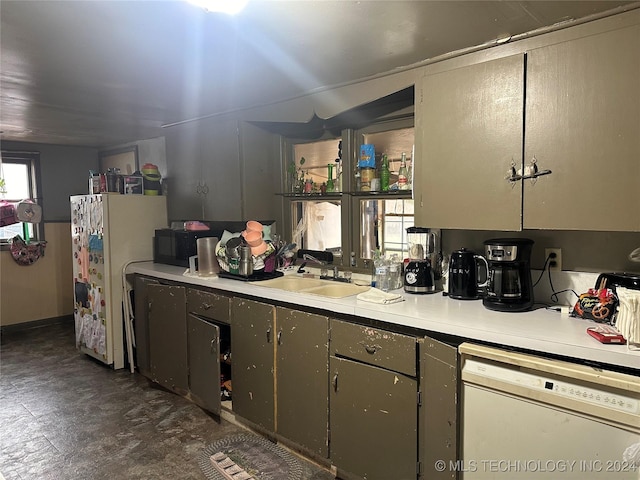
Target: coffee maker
x=510 y=288
x=419 y=274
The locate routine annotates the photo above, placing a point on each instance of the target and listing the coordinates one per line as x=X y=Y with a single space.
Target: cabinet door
x=468 y=132
x=439 y=409
x=221 y=170
x=583 y=123
x=168 y=337
x=204 y=363
x=141 y=323
x=252 y=347
x=302 y=373
x=373 y=421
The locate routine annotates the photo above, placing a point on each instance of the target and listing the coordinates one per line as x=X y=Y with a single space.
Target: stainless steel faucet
x=311 y=258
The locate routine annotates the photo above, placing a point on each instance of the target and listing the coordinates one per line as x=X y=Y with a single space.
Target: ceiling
x=103 y=73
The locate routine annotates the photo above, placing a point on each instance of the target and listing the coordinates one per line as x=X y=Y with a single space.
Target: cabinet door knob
x=280 y=337
x=269 y=335
x=213 y=345
x=335 y=382
x=206 y=306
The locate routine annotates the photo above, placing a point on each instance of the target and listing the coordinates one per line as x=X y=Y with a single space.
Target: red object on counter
x=606 y=334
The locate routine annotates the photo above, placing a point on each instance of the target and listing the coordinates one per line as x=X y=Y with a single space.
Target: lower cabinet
x=204 y=363
x=208 y=335
x=373 y=403
x=141 y=323
x=168 y=336
x=302 y=362
x=253 y=352
x=438 y=419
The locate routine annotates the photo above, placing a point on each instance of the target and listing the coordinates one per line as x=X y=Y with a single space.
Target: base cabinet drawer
x=208 y=305
x=393 y=351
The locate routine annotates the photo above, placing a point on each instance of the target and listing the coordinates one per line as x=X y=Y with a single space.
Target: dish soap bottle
x=403 y=174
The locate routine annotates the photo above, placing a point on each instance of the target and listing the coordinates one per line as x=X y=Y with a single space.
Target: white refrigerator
x=108 y=231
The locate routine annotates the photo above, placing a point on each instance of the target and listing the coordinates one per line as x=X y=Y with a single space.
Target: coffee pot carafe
x=463 y=280
x=509 y=288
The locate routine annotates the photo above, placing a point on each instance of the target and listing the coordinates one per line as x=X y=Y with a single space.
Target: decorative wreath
x=26 y=253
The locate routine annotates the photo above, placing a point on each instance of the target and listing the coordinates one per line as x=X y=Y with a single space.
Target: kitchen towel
x=375 y=295
x=628 y=318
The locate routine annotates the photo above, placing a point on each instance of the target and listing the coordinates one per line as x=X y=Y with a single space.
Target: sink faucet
x=324 y=275
x=311 y=258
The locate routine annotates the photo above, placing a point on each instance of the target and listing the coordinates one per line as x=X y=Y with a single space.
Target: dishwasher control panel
x=595 y=394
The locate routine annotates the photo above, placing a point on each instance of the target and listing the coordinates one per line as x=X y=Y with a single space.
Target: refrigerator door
x=108 y=232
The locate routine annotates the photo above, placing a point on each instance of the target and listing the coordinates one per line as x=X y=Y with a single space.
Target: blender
x=418 y=273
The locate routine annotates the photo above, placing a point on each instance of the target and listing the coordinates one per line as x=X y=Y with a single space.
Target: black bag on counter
x=596 y=304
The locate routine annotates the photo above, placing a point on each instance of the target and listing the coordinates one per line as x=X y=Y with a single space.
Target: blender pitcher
x=418 y=274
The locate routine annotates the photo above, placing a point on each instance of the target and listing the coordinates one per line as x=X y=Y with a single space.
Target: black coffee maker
x=510 y=288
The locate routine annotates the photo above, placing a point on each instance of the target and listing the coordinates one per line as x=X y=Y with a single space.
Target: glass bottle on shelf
x=403 y=174
x=330 y=185
x=384 y=174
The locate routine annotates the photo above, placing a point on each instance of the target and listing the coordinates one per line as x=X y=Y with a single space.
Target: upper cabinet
x=583 y=123
x=469 y=130
x=222 y=169
x=572 y=107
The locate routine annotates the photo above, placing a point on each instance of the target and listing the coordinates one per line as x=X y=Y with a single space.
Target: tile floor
x=64 y=416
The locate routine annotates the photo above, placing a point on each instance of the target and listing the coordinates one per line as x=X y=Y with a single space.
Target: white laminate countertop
x=542 y=330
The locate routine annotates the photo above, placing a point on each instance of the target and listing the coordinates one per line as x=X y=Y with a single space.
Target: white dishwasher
x=527 y=417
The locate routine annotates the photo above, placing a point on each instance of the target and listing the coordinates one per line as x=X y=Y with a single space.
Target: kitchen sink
x=292 y=283
x=313 y=286
x=337 y=290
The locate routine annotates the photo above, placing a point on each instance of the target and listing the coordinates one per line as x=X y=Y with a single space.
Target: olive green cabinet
x=221 y=169
x=302 y=362
x=468 y=131
x=253 y=352
x=207 y=328
x=168 y=336
x=583 y=123
x=571 y=106
x=141 y=323
x=373 y=403
x=439 y=409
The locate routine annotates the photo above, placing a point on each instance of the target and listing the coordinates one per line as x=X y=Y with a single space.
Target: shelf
x=312 y=196
x=337 y=195
x=387 y=194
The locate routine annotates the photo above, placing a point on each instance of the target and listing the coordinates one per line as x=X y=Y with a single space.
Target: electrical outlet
x=555 y=263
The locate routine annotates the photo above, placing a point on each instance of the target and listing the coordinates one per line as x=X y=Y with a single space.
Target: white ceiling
x=103 y=73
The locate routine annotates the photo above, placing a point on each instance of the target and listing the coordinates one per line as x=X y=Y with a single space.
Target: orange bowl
x=253 y=225
x=253 y=238
x=259 y=249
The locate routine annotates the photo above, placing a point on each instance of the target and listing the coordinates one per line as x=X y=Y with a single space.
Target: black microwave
x=174 y=247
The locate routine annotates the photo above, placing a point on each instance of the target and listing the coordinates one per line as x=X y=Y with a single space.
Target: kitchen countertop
x=543 y=330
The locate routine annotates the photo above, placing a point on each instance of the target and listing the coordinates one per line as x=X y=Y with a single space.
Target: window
x=349 y=220
x=21 y=174
x=317 y=222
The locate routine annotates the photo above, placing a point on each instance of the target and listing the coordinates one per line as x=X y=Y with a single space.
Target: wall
x=64 y=172
x=152 y=150
x=44 y=289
